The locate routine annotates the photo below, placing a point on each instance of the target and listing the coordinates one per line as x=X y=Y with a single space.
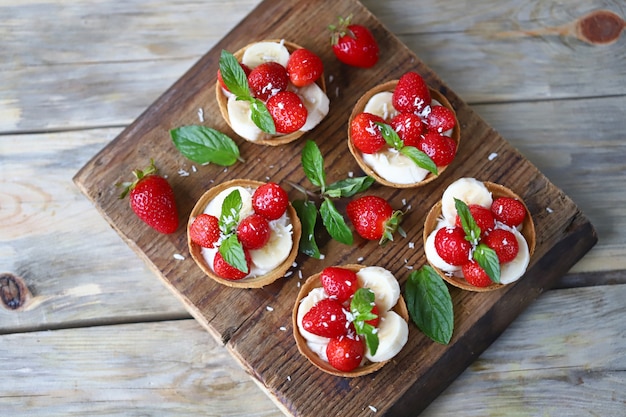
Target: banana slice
x=261 y=52
x=306 y=304
x=468 y=190
x=395 y=167
x=384 y=285
x=512 y=271
x=381 y=104
x=393 y=333
x=215 y=206
x=276 y=250
x=241 y=121
x=316 y=102
x=434 y=258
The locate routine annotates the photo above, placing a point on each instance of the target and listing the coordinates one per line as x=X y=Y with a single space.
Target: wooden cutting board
x=260 y=338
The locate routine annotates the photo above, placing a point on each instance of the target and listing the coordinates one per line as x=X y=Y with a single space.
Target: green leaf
x=203 y=144
x=390 y=136
x=361 y=308
x=420 y=159
x=334 y=223
x=261 y=116
x=307 y=213
x=349 y=187
x=230 y=212
x=430 y=305
x=232 y=252
x=471 y=229
x=313 y=164
x=233 y=75
x=488 y=260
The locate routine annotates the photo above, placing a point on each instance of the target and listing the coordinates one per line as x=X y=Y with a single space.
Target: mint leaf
x=205 y=145
x=390 y=136
x=230 y=212
x=420 y=159
x=349 y=187
x=261 y=116
x=313 y=164
x=361 y=308
x=430 y=305
x=334 y=223
x=232 y=252
x=307 y=213
x=488 y=260
x=471 y=229
x=233 y=75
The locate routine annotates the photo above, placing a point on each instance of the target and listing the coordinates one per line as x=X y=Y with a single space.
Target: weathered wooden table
x=100 y=335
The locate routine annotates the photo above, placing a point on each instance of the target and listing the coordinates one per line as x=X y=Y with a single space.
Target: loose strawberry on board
x=152 y=200
x=409 y=127
x=440 y=119
x=411 y=94
x=205 y=230
x=508 y=211
x=451 y=245
x=374 y=218
x=270 y=200
x=475 y=275
x=339 y=283
x=366 y=135
x=504 y=243
x=227 y=271
x=354 y=44
x=267 y=80
x=327 y=318
x=345 y=353
x=253 y=231
x=482 y=216
x=288 y=111
x=441 y=149
x=304 y=67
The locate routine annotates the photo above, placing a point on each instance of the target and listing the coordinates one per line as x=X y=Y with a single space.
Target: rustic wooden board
x=261 y=339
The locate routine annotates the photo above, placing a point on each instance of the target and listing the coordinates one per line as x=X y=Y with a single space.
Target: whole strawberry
x=509 y=211
x=374 y=218
x=339 y=283
x=254 y=231
x=304 y=67
x=365 y=134
x=345 y=353
x=411 y=93
x=288 y=111
x=270 y=201
x=354 y=44
x=267 y=80
x=152 y=200
x=205 y=230
x=327 y=318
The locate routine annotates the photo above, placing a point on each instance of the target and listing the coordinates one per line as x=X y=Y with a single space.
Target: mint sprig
x=430 y=304
x=418 y=157
x=204 y=145
x=236 y=81
x=482 y=254
x=307 y=213
x=361 y=309
x=334 y=223
x=230 y=248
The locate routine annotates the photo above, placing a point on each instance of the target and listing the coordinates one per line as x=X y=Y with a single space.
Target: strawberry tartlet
x=350 y=320
x=285 y=79
x=480 y=236
x=419 y=141
x=244 y=233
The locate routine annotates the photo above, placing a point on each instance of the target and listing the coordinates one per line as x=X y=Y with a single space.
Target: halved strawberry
x=504 y=243
x=327 y=318
x=288 y=111
x=483 y=218
x=451 y=245
x=475 y=275
x=374 y=218
x=304 y=67
x=227 y=271
x=508 y=211
x=267 y=80
x=440 y=119
x=205 y=230
x=411 y=94
x=253 y=231
x=409 y=127
x=339 y=283
x=270 y=201
x=346 y=352
x=365 y=134
x=441 y=149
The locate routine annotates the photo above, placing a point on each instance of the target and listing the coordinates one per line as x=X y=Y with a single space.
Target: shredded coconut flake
x=492 y=156
x=282 y=328
x=549 y=210
x=179 y=257
x=269 y=308
x=371 y=407
x=411 y=245
x=360 y=259
x=288 y=274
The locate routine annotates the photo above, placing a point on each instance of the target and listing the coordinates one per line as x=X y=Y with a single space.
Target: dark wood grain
x=261 y=340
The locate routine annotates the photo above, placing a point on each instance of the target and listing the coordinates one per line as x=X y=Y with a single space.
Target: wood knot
x=13 y=292
x=600 y=27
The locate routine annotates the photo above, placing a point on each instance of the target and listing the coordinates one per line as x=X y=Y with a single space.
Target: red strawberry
x=267 y=80
x=354 y=44
x=441 y=149
x=288 y=111
x=409 y=127
x=411 y=94
x=304 y=67
x=227 y=271
x=253 y=231
x=482 y=216
x=440 y=119
x=376 y=321
x=345 y=353
x=374 y=218
x=270 y=201
x=339 y=283
x=327 y=318
x=205 y=230
x=475 y=275
x=451 y=245
x=508 y=211
x=365 y=134
x=504 y=243
x=152 y=200
x=245 y=68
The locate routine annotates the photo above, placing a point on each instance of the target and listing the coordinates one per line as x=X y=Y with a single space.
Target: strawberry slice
x=327 y=318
